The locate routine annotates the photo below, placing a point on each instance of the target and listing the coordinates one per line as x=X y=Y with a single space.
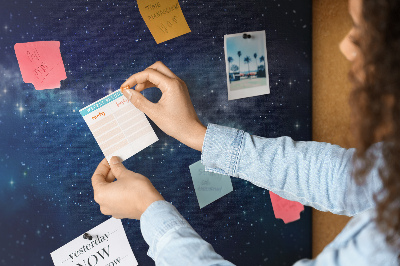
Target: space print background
x=48 y=154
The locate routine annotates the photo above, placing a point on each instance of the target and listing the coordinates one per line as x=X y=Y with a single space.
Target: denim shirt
x=312 y=173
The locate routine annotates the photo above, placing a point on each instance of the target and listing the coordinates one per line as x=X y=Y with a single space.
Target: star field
x=48 y=155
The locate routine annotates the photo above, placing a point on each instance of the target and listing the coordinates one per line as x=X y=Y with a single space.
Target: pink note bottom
x=288 y=211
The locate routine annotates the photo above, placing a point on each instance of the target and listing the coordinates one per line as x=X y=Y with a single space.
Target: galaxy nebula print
x=48 y=154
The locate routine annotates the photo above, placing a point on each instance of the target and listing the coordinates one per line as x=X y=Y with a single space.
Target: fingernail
x=115 y=160
x=129 y=93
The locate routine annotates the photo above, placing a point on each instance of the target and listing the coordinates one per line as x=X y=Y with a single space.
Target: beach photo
x=246 y=64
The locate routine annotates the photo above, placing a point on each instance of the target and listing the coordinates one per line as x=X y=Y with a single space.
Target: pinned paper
x=41 y=64
x=246 y=64
x=209 y=186
x=164 y=18
x=107 y=244
x=118 y=126
x=288 y=211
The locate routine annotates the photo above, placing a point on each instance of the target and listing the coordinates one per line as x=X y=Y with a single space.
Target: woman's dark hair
x=375 y=103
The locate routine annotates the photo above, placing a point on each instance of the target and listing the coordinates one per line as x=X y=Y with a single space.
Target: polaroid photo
x=246 y=64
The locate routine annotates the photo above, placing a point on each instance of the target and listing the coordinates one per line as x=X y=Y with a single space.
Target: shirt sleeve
x=360 y=243
x=313 y=173
x=172 y=241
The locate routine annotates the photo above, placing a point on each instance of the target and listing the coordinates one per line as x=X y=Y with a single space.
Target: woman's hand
x=127 y=197
x=174 y=112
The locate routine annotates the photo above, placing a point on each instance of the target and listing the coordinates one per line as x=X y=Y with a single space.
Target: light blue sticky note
x=209 y=186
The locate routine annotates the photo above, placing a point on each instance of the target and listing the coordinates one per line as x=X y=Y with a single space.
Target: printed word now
x=94 y=259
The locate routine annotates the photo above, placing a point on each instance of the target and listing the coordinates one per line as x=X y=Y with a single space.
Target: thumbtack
x=88 y=236
x=246 y=36
x=124 y=88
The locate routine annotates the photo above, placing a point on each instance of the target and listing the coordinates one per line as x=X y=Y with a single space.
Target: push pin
x=88 y=236
x=127 y=91
x=246 y=36
x=124 y=88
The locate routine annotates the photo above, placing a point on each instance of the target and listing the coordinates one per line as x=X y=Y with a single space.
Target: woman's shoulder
x=362 y=240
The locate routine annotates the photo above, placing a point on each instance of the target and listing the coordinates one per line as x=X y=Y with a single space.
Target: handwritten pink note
x=288 y=211
x=41 y=63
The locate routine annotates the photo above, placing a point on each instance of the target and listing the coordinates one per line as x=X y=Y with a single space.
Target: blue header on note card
x=96 y=105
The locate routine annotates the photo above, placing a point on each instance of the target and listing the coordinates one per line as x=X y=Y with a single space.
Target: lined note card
x=41 y=63
x=118 y=126
x=209 y=186
x=108 y=246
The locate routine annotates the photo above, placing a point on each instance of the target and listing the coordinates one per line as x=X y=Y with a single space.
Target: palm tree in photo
x=247 y=60
x=230 y=59
x=255 y=59
x=239 y=54
x=262 y=59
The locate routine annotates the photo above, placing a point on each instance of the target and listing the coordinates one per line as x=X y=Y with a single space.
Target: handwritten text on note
x=209 y=186
x=41 y=63
x=164 y=18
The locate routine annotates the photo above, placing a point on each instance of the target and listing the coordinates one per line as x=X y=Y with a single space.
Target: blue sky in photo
x=248 y=47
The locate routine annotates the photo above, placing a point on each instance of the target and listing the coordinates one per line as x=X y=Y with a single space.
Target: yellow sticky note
x=164 y=18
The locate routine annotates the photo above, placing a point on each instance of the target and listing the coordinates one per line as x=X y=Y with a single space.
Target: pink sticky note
x=41 y=64
x=288 y=211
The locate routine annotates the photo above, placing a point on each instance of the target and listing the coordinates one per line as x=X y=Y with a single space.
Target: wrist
x=196 y=136
x=148 y=203
x=201 y=136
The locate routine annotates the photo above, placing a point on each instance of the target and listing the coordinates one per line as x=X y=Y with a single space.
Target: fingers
x=110 y=177
x=160 y=67
x=140 y=102
x=156 y=75
x=159 y=80
x=142 y=86
x=117 y=167
x=99 y=176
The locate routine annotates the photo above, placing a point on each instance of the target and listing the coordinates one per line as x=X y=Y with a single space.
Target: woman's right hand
x=174 y=112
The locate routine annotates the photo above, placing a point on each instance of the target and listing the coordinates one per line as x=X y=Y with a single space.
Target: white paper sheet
x=118 y=126
x=109 y=247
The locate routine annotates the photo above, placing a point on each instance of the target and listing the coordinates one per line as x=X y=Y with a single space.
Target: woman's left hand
x=127 y=197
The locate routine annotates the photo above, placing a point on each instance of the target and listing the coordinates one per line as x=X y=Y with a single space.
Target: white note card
x=108 y=247
x=118 y=126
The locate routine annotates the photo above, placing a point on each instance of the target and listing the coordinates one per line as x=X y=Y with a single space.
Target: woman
x=316 y=174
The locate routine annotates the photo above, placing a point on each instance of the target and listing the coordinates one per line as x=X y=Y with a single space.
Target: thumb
x=100 y=175
x=138 y=100
x=117 y=167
